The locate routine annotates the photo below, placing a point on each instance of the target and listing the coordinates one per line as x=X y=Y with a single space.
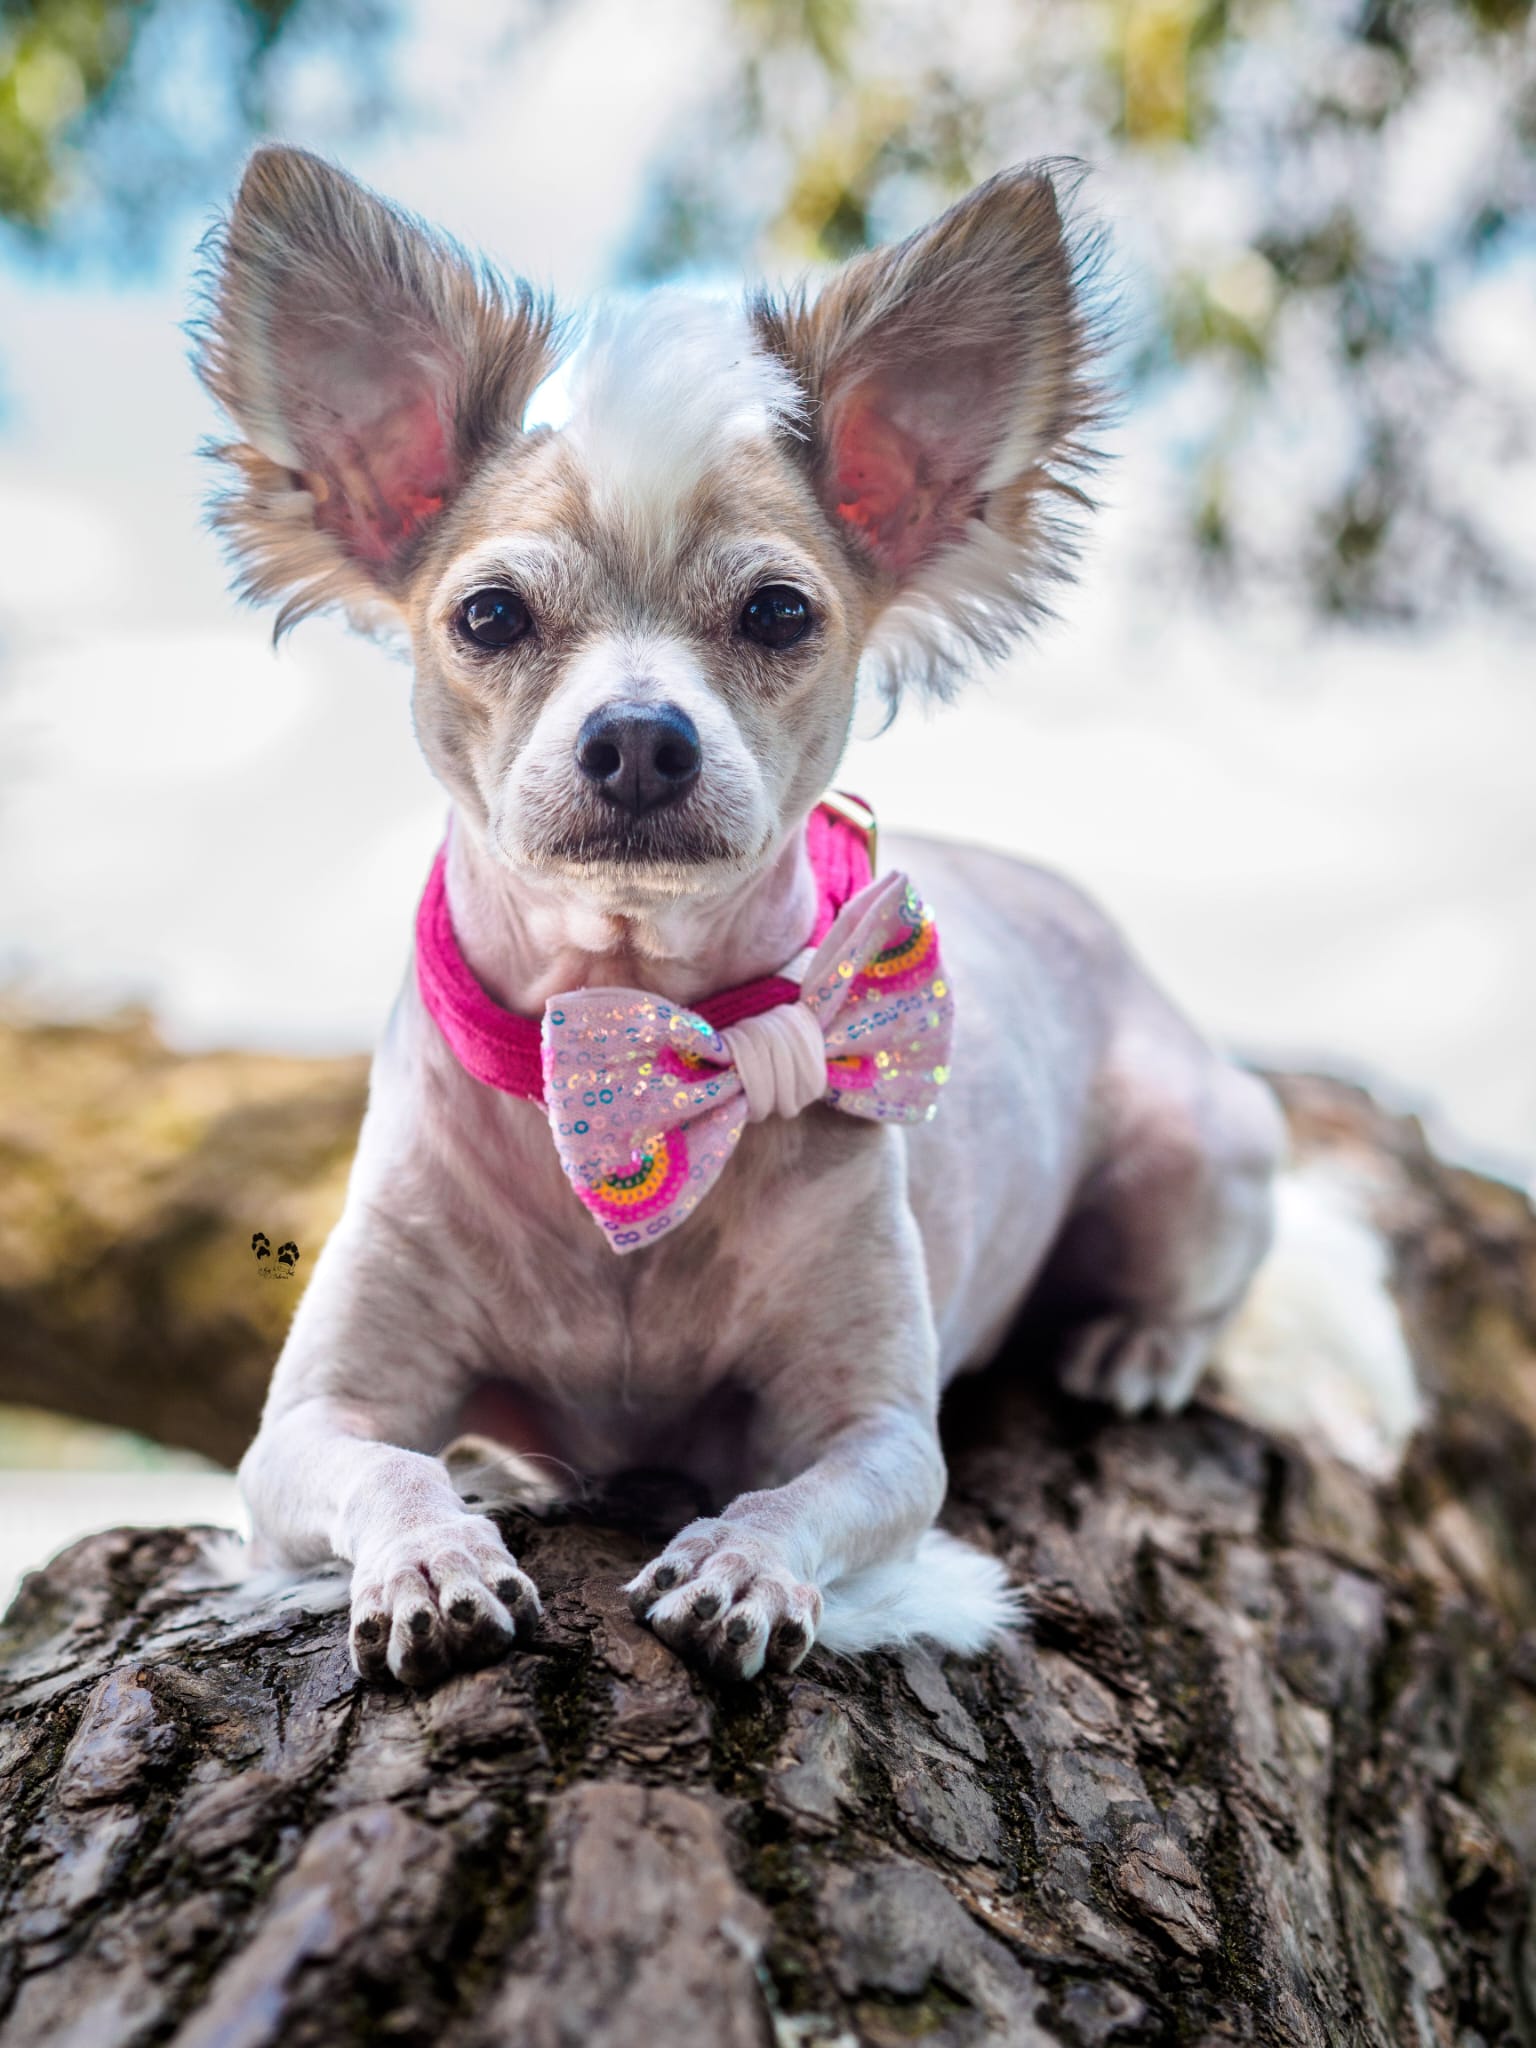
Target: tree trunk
x=1261 y=1769
x=132 y=1180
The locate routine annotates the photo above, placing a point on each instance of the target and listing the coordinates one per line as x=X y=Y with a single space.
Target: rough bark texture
x=1263 y=1768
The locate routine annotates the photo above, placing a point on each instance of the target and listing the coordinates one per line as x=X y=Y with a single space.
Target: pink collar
x=503 y=1049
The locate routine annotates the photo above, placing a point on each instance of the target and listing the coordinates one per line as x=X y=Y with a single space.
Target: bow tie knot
x=781 y=1059
x=647 y=1100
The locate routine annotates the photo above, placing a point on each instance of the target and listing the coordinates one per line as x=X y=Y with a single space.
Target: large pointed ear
x=368 y=364
x=950 y=383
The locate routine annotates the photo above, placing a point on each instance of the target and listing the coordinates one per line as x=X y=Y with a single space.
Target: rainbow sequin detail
x=910 y=959
x=646 y=1105
x=628 y=1201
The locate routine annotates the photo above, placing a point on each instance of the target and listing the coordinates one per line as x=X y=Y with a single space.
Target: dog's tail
x=955 y=1597
x=1317 y=1351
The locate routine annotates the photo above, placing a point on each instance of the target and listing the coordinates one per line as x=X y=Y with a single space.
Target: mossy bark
x=1261 y=1769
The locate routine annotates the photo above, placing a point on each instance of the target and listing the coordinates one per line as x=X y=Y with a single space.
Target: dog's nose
x=639 y=756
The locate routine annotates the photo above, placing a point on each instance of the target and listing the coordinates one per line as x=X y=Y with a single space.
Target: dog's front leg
x=341 y=1467
x=852 y=1413
x=742 y=1590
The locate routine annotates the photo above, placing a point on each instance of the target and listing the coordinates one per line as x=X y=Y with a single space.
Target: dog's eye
x=494 y=618
x=776 y=616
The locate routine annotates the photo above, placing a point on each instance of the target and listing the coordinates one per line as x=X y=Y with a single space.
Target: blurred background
x=1285 y=724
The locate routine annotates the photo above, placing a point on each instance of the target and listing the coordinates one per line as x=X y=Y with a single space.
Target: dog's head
x=636 y=635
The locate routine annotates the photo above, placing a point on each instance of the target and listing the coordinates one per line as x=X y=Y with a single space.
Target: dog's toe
x=677 y=1567
x=369 y=1639
x=447 y=1598
x=418 y=1646
x=480 y=1621
x=1134 y=1365
x=788 y=1644
x=724 y=1600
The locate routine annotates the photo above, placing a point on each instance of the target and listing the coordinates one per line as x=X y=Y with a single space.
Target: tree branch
x=1261 y=1770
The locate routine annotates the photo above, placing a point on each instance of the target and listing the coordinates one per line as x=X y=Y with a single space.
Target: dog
x=637 y=634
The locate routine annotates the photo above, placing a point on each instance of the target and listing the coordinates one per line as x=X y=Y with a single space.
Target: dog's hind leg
x=1171 y=1220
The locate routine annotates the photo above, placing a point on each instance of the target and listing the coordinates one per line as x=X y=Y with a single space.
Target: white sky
x=1327 y=848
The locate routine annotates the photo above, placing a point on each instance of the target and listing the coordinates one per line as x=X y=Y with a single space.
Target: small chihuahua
x=701 y=1213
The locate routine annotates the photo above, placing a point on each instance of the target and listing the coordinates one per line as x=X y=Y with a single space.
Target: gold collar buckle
x=855 y=812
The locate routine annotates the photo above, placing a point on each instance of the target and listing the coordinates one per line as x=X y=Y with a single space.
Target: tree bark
x=1262 y=1768
x=132 y=1180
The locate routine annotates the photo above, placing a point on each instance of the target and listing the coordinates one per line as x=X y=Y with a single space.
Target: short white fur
x=661 y=390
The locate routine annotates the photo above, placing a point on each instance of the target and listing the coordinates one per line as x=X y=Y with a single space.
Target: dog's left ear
x=368 y=364
x=950 y=389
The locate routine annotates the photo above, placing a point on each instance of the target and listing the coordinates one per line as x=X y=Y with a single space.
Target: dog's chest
x=657 y=1330
x=565 y=1312
x=645 y=1361
x=626 y=1349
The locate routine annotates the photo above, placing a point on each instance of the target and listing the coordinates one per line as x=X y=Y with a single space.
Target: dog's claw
x=722 y=1597
x=439 y=1599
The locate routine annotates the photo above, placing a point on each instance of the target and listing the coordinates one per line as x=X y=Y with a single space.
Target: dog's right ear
x=368 y=365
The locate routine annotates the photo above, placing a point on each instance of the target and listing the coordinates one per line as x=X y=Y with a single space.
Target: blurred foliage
x=57 y=60
x=1323 y=234
x=113 y=112
x=1320 y=211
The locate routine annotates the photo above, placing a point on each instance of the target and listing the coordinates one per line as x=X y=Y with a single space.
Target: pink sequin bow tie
x=647 y=1100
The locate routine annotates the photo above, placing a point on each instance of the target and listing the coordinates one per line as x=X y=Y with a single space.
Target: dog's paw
x=446 y=1597
x=1135 y=1365
x=720 y=1595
